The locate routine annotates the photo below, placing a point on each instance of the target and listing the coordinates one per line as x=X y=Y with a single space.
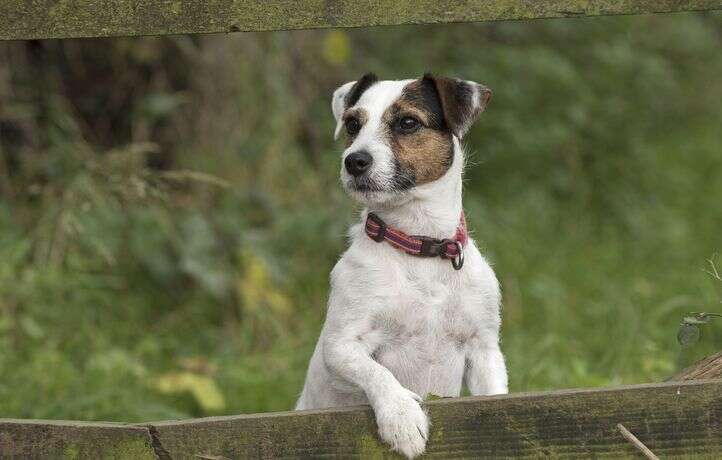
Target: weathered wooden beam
x=30 y=439
x=42 y=19
x=672 y=420
x=708 y=368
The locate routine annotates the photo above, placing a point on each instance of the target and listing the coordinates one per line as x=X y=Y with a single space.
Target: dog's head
x=401 y=134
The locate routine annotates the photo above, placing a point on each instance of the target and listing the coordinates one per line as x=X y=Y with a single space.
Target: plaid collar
x=422 y=246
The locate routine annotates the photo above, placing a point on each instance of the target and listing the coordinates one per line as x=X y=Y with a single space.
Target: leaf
x=257 y=289
x=31 y=327
x=204 y=389
x=695 y=320
x=688 y=334
x=202 y=258
x=336 y=47
x=701 y=318
x=159 y=105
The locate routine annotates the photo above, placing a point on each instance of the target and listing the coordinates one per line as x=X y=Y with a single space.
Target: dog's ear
x=347 y=95
x=462 y=101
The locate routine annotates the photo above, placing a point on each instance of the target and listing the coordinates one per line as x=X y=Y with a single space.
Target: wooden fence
x=40 y=19
x=672 y=419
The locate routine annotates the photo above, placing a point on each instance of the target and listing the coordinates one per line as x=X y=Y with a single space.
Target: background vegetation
x=171 y=210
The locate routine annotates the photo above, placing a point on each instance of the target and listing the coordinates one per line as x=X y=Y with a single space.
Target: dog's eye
x=353 y=126
x=408 y=125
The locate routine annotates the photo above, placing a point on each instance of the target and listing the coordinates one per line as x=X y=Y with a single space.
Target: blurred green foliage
x=170 y=207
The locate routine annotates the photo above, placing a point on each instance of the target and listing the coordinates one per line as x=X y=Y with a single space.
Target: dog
x=408 y=316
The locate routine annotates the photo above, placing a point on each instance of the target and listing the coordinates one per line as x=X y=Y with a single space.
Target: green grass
x=589 y=302
x=131 y=293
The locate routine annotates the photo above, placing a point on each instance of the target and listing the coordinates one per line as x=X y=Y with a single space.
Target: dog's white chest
x=428 y=307
x=422 y=333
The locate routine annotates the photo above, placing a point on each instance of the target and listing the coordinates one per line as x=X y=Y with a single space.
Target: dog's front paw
x=403 y=423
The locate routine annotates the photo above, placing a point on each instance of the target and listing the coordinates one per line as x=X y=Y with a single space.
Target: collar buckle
x=432 y=247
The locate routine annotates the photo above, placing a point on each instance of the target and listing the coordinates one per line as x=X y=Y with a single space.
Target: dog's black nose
x=358 y=163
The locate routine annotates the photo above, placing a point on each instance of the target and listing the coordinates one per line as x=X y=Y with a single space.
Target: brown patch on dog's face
x=418 y=135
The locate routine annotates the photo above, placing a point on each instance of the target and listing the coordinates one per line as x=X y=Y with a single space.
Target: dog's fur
x=400 y=327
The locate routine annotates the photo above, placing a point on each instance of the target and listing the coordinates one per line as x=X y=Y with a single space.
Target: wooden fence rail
x=42 y=19
x=673 y=419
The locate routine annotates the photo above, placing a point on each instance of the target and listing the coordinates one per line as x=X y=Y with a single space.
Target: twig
x=715 y=274
x=185 y=175
x=636 y=442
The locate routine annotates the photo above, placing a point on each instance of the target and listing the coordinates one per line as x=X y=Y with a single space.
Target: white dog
x=407 y=315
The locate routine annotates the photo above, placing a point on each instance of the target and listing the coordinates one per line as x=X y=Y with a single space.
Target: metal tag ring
x=458 y=261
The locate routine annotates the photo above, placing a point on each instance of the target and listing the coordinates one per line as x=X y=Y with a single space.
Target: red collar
x=422 y=246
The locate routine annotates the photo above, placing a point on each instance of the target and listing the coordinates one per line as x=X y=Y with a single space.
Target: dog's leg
x=485 y=368
x=401 y=421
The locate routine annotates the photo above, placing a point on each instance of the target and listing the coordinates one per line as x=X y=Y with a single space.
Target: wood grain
x=708 y=368
x=43 y=19
x=37 y=439
x=674 y=420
